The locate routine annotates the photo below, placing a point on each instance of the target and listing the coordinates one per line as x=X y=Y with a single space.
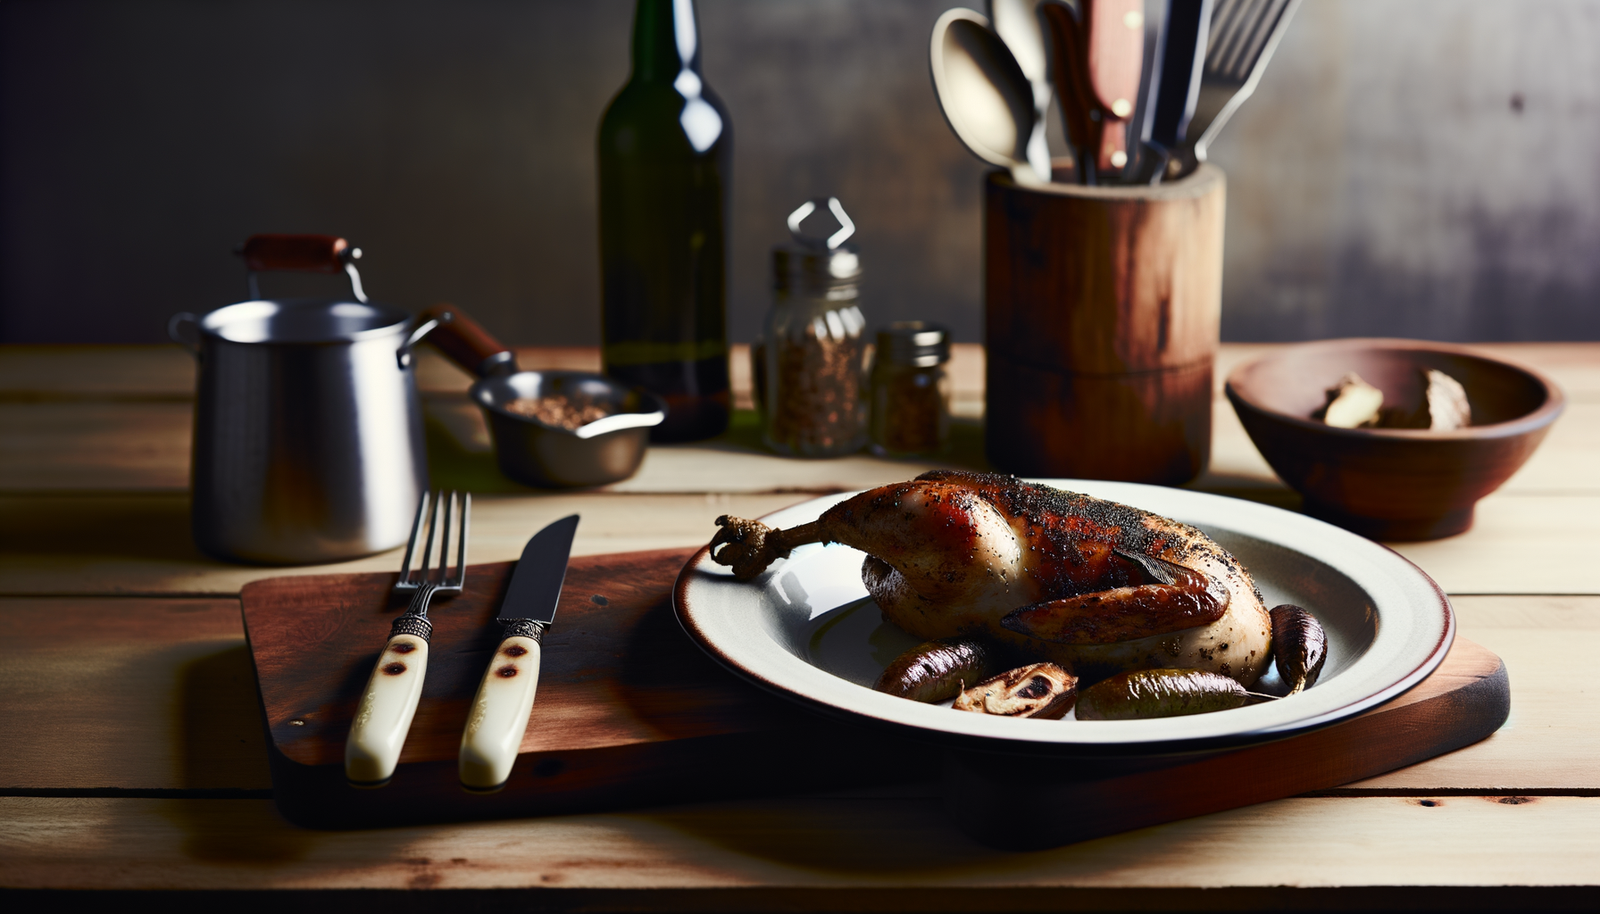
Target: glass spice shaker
x=910 y=390
x=814 y=403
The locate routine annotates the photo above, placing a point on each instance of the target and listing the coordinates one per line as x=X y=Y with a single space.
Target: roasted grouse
x=1063 y=577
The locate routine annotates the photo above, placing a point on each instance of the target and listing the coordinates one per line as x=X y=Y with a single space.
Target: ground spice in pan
x=570 y=413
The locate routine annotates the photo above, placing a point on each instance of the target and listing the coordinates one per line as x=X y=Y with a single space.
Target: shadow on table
x=143 y=526
x=219 y=734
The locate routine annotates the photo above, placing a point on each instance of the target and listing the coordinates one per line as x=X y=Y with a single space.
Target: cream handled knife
x=499 y=715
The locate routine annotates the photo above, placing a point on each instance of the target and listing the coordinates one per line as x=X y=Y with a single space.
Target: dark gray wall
x=1426 y=168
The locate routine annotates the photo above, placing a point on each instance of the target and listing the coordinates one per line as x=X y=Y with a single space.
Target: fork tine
x=449 y=501
x=411 y=543
x=460 y=578
x=433 y=530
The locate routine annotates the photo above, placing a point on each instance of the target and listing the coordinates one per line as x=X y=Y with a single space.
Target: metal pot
x=308 y=442
x=536 y=453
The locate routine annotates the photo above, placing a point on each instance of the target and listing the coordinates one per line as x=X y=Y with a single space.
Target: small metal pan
x=539 y=453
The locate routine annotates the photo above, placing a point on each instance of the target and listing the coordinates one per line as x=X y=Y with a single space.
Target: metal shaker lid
x=817 y=260
x=918 y=343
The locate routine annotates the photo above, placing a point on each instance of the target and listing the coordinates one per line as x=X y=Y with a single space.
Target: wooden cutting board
x=631 y=713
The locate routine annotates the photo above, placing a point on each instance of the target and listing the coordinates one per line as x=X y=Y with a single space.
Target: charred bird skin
x=1299 y=646
x=1161 y=596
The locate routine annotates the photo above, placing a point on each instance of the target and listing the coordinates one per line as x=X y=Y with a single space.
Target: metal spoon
x=1017 y=24
x=983 y=93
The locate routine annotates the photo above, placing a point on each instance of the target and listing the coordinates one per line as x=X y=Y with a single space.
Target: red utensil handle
x=1070 y=70
x=295 y=253
x=1115 y=34
x=466 y=342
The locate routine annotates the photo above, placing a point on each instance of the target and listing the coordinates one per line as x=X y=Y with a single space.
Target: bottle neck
x=666 y=40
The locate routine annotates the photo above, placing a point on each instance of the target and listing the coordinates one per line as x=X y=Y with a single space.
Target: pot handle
x=403 y=354
x=300 y=254
x=469 y=345
x=189 y=340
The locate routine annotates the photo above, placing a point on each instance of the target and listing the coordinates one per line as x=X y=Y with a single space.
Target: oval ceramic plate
x=807 y=630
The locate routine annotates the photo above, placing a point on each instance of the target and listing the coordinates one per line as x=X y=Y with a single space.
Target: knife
x=1114 y=34
x=1069 y=66
x=499 y=715
x=1174 y=84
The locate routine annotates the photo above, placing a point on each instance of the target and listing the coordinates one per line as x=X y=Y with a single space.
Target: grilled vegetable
x=1160 y=693
x=938 y=670
x=1352 y=403
x=1041 y=690
x=1299 y=646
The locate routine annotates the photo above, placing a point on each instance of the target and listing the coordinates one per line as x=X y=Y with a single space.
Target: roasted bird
x=1079 y=581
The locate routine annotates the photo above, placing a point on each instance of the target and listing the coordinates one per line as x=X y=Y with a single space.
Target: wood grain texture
x=133 y=544
x=186 y=714
x=1383 y=483
x=1104 y=280
x=140 y=544
x=162 y=372
x=91 y=438
x=1102 y=307
x=630 y=712
x=822 y=851
x=1552 y=703
x=127 y=694
x=1463 y=701
x=1149 y=426
x=143 y=446
x=105 y=372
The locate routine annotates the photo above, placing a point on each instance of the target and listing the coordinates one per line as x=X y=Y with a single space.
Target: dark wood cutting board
x=631 y=713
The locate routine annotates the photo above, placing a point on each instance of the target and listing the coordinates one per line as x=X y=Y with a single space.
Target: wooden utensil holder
x=1103 y=307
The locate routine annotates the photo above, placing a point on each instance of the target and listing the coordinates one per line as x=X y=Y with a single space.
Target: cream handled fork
x=383 y=716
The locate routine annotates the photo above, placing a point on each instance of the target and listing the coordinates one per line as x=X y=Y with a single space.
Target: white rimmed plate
x=807 y=630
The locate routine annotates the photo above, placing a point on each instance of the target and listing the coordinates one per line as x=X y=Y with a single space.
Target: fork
x=384 y=714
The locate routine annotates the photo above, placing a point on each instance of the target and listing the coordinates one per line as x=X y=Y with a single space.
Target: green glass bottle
x=665 y=157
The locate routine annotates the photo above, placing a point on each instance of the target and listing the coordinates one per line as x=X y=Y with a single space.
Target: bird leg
x=750 y=546
x=1170 y=598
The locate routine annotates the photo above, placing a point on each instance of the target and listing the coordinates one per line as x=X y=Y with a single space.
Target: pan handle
x=467 y=344
x=300 y=254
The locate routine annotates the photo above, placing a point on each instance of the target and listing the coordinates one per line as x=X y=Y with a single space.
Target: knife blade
x=500 y=711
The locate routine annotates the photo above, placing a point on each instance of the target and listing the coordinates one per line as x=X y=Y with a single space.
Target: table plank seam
x=141 y=793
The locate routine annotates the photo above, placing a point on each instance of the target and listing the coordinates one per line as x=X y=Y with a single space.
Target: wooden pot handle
x=297 y=253
x=466 y=342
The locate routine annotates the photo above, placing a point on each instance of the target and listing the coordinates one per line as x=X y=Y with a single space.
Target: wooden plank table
x=133 y=757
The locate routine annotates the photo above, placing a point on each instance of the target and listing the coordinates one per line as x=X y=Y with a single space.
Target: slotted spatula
x=1244 y=33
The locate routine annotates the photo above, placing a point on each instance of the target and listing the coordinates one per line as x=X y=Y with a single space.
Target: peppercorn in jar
x=812 y=353
x=910 y=390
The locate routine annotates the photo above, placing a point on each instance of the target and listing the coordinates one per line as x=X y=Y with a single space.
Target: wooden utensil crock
x=1103 y=309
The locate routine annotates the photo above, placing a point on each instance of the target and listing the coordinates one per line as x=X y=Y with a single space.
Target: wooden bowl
x=1393 y=484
